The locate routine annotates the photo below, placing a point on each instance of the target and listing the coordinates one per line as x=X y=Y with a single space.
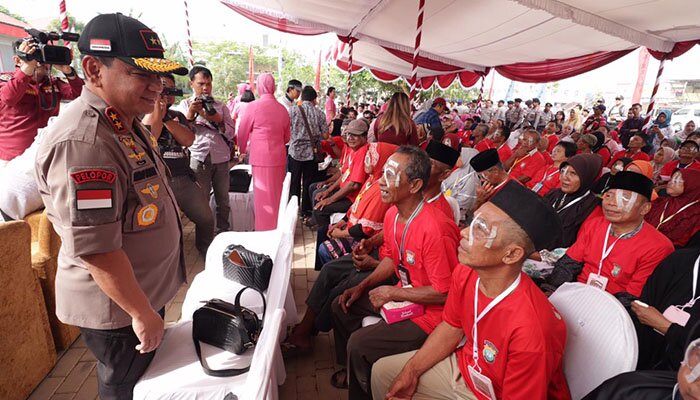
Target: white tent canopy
x=477 y=34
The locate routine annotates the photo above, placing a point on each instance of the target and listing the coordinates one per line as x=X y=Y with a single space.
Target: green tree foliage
x=6 y=11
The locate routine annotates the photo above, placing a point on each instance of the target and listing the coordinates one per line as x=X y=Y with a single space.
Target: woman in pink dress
x=263 y=131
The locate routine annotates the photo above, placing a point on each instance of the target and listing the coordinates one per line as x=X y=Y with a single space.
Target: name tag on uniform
x=537 y=187
x=598 y=281
x=482 y=383
x=676 y=315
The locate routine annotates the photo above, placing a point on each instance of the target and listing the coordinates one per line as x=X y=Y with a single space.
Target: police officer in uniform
x=29 y=96
x=106 y=192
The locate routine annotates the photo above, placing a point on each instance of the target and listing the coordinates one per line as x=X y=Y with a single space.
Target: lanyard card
x=598 y=281
x=676 y=315
x=404 y=276
x=482 y=383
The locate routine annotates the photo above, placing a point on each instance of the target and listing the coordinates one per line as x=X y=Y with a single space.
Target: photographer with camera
x=171 y=129
x=29 y=96
x=213 y=142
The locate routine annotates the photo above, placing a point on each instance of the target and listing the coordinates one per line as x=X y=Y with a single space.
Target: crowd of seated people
x=608 y=203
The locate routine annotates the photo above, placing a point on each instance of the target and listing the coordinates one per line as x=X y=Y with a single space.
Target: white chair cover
x=242 y=215
x=601 y=341
x=284 y=199
x=176 y=374
x=263 y=377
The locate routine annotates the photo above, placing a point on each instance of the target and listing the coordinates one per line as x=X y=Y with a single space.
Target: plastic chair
x=601 y=340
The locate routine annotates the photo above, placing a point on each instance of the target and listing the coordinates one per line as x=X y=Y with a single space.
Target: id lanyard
x=405 y=230
x=693 y=299
x=663 y=221
x=606 y=251
x=478 y=317
x=544 y=178
x=523 y=158
x=572 y=202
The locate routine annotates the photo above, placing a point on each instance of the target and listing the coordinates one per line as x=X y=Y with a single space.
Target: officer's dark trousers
x=359 y=348
x=194 y=202
x=215 y=176
x=119 y=364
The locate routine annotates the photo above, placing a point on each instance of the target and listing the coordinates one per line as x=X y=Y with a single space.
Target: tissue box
x=395 y=311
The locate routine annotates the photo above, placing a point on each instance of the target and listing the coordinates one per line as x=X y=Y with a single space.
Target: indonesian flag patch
x=93 y=199
x=100 y=45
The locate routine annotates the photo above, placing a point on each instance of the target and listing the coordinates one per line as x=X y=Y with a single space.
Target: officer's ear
x=92 y=69
x=16 y=60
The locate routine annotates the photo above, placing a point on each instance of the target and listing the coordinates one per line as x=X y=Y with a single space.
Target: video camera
x=46 y=53
x=167 y=91
x=207 y=103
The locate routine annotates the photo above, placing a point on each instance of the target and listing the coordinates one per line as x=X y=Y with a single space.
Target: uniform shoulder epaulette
x=5 y=77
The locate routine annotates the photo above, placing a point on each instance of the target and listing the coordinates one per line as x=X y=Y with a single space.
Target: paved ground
x=74 y=377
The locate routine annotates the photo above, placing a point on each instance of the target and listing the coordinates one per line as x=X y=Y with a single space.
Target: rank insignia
x=154 y=142
x=490 y=352
x=115 y=120
x=147 y=215
x=616 y=270
x=137 y=156
x=410 y=257
x=151 y=190
x=151 y=40
x=128 y=141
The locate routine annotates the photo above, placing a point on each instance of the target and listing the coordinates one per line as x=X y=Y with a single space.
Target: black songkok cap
x=484 y=160
x=531 y=213
x=634 y=182
x=443 y=153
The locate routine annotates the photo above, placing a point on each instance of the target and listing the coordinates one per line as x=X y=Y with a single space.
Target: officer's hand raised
x=149 y=330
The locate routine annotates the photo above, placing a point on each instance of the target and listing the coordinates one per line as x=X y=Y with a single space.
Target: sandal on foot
x=291 y=350
x=339 y=379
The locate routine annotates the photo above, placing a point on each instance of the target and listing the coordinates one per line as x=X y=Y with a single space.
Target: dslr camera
x=46 y=53
x=207 y=103
x=175 y=92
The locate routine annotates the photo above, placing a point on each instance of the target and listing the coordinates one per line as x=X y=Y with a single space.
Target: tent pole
x=481 y=94
x=652 y=100
x=189 y=36
x=347 y=97
x=416 y=48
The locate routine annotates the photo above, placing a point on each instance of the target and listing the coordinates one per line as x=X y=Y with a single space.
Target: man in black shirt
x=173 y=133
x=632 y=125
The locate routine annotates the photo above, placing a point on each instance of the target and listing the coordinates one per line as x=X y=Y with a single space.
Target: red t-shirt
x=430 y=254
x=668 y=169
x=527 y=165
x=443 y=205
x=629 y=263
x=553 y=140
x=546 y=179
x=547 y=158
x=604 y=153
x=640 y=155
x=521 y=340
x=485 y=144
x=504 y=152
x=354 y=171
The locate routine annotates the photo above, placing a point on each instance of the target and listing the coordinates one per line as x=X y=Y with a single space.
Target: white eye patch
x=677 y=180
x=480 y=229
x=391 y=174
x=625 y=202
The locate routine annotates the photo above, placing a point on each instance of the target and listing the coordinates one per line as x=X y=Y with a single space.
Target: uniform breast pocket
x=147 y=199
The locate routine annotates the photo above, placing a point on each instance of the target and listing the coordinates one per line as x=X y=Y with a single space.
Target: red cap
x=439 y=101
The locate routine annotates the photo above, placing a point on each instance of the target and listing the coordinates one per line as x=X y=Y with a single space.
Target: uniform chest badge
x=490 y=352
x=151 y=190
x=147 y=215
x=410 y=257
x=616 y=270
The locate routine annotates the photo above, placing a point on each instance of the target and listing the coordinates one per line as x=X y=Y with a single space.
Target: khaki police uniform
x=105 y=188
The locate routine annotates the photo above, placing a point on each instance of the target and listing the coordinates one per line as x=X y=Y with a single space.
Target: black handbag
x=239 y=180
x=227 y=326
x=247 y=267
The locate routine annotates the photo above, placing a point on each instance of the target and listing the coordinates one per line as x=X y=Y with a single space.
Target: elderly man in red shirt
x=500 y=338
x=526 y=160
x=29 y=96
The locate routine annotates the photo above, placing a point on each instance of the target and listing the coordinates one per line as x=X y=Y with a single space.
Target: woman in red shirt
x=678 y=215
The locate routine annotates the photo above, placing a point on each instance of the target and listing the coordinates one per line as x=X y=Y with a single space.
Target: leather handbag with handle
x=247 y=267
x=227 y=326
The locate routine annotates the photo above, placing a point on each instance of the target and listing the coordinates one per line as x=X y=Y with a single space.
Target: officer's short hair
x=169 y=76
x=198 y=69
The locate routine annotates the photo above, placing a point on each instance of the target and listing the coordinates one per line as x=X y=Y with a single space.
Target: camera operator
x=173 y=133
x=211 y=150
x=29 y=97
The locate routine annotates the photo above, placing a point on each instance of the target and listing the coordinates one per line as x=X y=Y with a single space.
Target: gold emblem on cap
x=156 y=64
